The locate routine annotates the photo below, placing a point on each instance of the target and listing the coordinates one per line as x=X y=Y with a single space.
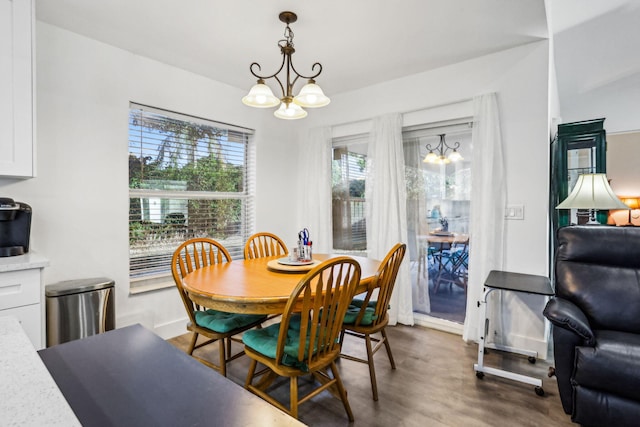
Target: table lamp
x=592 y=191
x=632 y=203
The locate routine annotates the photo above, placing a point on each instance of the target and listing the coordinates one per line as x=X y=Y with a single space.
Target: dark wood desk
x=248 y=286
x=132 y=377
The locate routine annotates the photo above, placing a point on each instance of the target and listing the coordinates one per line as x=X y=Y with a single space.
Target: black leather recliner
x=596 y=324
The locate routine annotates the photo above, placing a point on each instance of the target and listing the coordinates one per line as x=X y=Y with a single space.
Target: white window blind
x=188 y=177
x=348 y=201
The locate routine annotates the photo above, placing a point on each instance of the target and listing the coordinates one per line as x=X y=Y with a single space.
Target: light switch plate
x=514 y=212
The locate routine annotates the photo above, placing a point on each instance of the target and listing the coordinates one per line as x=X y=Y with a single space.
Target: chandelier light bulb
x=290 y=111
x=431 y=157
x=260 y=96
x=455 y=156
x=311 y=96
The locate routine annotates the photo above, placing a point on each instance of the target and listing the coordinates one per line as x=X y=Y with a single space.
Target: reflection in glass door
x=438 y=201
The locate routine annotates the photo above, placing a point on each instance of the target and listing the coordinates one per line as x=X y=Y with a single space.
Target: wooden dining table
x=251 y=286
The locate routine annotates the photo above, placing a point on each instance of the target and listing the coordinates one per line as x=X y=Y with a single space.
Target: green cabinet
x=578 y=148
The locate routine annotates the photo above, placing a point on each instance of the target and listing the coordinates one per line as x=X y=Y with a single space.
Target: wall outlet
x=514 y=212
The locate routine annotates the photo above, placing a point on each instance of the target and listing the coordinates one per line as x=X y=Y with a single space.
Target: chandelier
x=310 y=96
x=438 y=154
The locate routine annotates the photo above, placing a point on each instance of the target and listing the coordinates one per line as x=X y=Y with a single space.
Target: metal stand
x=499 y=280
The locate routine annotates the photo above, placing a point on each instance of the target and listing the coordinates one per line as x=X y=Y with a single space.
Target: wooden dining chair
x=306 y=341
x=264 y=244
x=260 y=245
x=367 y=316
x=213 y=324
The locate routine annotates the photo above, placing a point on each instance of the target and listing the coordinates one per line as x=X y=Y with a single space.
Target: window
x=348 y=201
x=188 y=177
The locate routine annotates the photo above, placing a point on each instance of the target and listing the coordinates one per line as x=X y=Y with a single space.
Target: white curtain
x=415 y=212
x=386 y=206
x=488 y=201
x=316 y=204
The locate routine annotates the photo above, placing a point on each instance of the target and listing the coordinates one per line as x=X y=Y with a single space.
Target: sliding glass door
x=438 y=199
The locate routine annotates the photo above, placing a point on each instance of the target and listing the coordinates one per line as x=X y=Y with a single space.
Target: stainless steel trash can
x=79 y=308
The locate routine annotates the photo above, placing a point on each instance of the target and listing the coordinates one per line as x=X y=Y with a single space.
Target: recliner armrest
x=565 y=314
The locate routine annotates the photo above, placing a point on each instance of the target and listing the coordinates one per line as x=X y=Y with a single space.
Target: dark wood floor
x=434 y=385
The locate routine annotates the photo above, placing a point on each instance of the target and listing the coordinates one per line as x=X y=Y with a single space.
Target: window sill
x=141 y=286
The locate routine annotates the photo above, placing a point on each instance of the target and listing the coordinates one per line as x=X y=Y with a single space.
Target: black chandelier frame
x=442 y=148
x=287 y=49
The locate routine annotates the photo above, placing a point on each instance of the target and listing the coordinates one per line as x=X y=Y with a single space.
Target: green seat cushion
x=354 y=309
x=221 y=322
x=265 y=342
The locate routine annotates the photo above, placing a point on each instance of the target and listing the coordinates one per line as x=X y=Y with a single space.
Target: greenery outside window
x=188 y=177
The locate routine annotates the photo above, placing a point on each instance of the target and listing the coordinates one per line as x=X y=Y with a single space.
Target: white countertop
x=28 y=393
x=23 y=262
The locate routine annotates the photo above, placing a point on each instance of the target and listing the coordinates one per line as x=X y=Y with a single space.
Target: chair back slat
x=321 y=298
x=384 y=283
x=193 y=255
x=263 y=244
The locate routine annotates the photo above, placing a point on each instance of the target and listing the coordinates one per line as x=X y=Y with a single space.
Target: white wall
x=623 y=154
x=520 y=78
x=617 y=103
x=80 y=197
x=599 y=69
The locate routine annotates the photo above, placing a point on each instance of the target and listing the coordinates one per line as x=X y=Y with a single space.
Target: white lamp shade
x=311 y=96
x=455 y=156
x=431 y=157
x=592 y=191
x=290 y=112
x=260 y=96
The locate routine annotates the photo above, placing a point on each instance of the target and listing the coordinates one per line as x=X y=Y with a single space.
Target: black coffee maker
x=15 y=227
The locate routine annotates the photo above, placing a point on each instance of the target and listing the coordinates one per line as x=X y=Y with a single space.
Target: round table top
x=249 y=286
x=448 y=238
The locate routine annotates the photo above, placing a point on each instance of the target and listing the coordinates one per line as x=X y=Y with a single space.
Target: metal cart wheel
x=480 y=374
x=539 y=391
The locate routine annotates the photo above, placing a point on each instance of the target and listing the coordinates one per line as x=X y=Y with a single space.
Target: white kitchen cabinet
x=17 y=154
x=21 y=293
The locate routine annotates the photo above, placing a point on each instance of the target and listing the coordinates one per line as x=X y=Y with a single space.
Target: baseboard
x=528 y=343
x=439 y=324
x=145 y=318
x=165 y=330
x=171 y=329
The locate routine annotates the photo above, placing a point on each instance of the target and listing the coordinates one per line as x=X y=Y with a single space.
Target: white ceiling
x=358 y=42
x=363 y=42
x=596 y=48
